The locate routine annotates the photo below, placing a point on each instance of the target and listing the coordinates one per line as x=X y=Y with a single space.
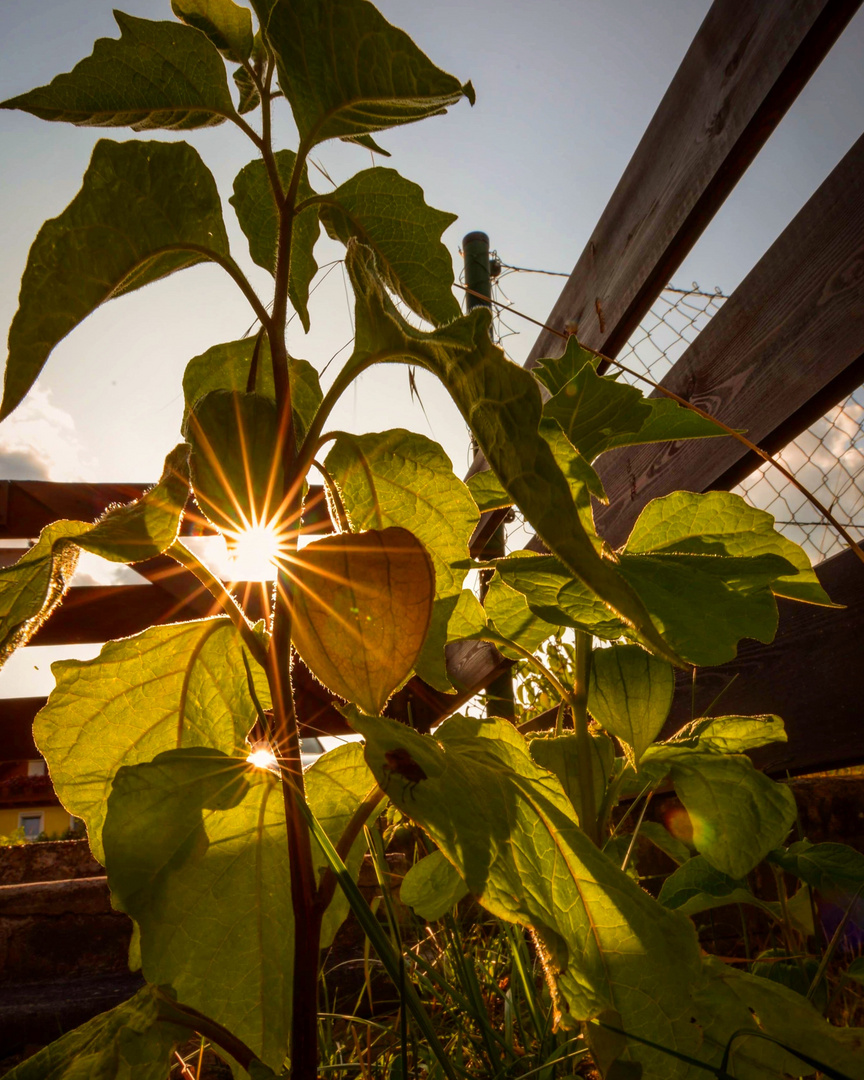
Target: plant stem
x=584 y=747
x=172 y=1012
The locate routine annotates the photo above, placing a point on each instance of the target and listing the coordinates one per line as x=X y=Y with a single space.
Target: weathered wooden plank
x=27 y=506
x=794 y=327
x=744 y=68
x=808 y=676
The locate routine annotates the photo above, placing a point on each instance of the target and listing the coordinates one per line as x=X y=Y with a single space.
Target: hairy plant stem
x=173 y=1012
x=584 y=748
x=306 y=910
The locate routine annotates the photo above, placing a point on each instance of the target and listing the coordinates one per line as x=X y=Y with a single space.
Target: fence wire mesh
x=828 y=458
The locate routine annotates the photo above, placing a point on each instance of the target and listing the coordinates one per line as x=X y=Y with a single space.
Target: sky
x=565 y=89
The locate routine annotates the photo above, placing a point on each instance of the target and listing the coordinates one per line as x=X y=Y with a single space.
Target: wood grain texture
x=792 y=328
x=744 y=68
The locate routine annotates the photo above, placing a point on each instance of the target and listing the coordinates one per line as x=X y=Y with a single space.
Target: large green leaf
x=235 y=462
x=630 y=694
x=225 y=23
x=560 y=755
x=509 y=613
x=556 y=372
x=361 y=605
x=255 y=205
x=404 y=479
x=501 y=403
x=731 y=734
x=381 y=209
x=128 y=1042
x=836 y=870
x=158 y=75
x=509 y=830
x=196 y=854
x=488 y=491
x=698 y=886
x=432 y=886
x=227 y=367
x=738 y=814
x=145 y=209
x=336 y=785
x=722 y=524
x=346 y=71
x=454 y=618
x=32 y=587
x=181 y=685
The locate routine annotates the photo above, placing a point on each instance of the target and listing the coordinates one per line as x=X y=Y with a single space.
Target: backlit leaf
x=361 y=605
x=454 y=618
x=698 y=886
x=556 y=372
x=145 y=209
x=226 y=367
x=501 y=403
x=255 y=205
x=432 y=886
x=509 y=613
x=510 y=832
x=630 y=694
x=560 y=755
x=731 y=734
x=126 y=1043
x=488 y=491
x=737 y=813
x=225 y=23
x=381 y=209
x=181 y=685
x=196 y=853
x=235 y=463
x=836 y=870
x=157 y=75
x=346 y=71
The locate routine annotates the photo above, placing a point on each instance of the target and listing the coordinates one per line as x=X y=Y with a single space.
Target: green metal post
x=478 y=278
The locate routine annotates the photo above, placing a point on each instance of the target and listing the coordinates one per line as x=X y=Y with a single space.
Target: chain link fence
x=828 y=458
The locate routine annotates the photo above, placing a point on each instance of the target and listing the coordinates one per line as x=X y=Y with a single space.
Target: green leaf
x=738 y=814
x=401 y=478
x=698 y=886
x=745 y=1001
x=125 y=1043
x=196 y=855
x=661 y=838
x=250 y=99
x=501 y=403
x=630 y=694
x=560 y=755
x=223 y=22
x=731 y=734
x=181 y=685
x=723 y=524
x=856 y=970
x=509 y=830
x=226 y=367
x=432 y=887
x=255 y=205
x=336 y=784
x=669 y=422
x=347 y=72
x=509 y=613
x=488 y=491
x=796 y=973
x=145 y=209
x=368 y=143
x=149 y=525
x=579 y=473
x=595 y=410
x=158 y=75
x=361 y=607
x=235 y=463
x=388 y=214
x=32 y=587
x=556 y=372
x=836 y=870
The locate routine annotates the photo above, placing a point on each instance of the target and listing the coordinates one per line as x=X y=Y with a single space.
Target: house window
x=32 y=822
x=36 y=768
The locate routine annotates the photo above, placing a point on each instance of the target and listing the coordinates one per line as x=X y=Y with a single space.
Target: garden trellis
x=802 y=354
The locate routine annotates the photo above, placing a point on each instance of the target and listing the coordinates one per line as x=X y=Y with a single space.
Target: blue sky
x=565 y=89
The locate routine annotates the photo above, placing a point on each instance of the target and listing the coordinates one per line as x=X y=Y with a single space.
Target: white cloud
x=39 y=442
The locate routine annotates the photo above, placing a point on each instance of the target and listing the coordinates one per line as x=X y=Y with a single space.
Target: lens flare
x=253 y=553
x=263 y=759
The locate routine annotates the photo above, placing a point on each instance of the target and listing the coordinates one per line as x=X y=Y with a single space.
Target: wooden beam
x=808 y=676
x=792 y=333
x=744 y=68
